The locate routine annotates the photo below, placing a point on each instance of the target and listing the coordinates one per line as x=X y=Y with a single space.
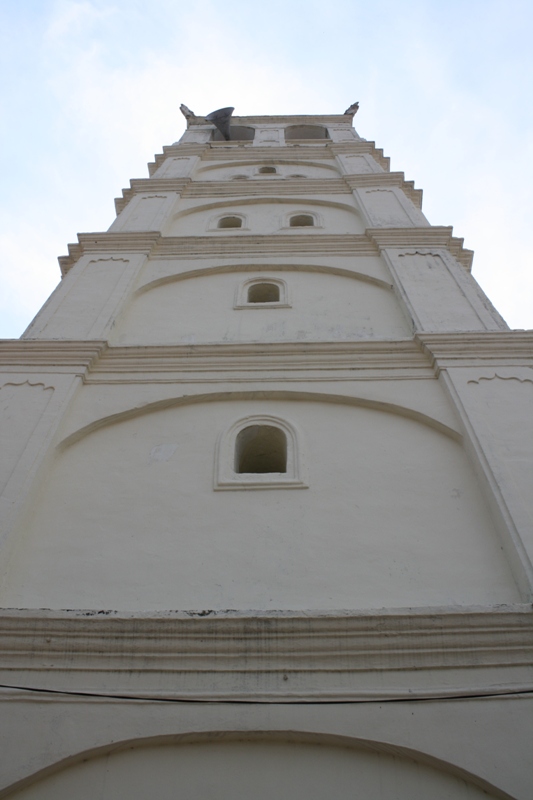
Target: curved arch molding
x=174 y=402
x=254 y=758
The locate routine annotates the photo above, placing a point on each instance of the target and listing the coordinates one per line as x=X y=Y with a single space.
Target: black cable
x=442 y=698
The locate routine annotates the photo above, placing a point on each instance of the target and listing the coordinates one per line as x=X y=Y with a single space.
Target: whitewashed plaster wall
x=390 y=505
x=213 y=308
x=263 y=217
x=452 y=746
x=284 y=169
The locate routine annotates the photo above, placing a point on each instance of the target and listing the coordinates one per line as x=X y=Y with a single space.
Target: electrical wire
x=441 y=698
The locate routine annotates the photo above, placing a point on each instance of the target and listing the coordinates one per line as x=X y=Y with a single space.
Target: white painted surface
x=202 y=309
x=392 y=517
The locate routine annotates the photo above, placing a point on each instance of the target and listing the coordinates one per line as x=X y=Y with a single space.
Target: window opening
x=230 y=222
x=301 y=221
x=268 y=171
x=306 y=132
x=239 y=177
x=297 y=175
x=263 y=293
x=261 y=449
x=236 y=133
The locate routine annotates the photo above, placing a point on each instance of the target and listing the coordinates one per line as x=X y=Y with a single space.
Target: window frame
x=227 y=479
x=213 y=222
x=241 y=295
x=286 y=220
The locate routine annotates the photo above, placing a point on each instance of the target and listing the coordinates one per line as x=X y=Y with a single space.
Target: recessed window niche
x=261 y=449
x=302 y=221
x=267 y=171
x=259 y=452
x=305 y=132
x=230 y=222
x=262 y=293
x=238 y=133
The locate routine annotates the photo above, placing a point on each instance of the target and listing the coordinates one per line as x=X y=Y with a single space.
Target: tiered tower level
x=268 y=450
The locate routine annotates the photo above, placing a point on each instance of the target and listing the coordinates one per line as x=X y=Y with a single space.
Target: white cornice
x=50 y=353
x=426 y=237
x=488 y=348
x=188 y=188
x=277 y=655
x=480 y=349
x=153 y=244
x=280 y=119
x=393 y=357
x=227 y=151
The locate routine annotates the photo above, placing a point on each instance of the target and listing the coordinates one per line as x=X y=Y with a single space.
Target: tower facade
x=266 y=511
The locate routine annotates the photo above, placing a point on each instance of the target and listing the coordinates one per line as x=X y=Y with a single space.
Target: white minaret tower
x=266 y=493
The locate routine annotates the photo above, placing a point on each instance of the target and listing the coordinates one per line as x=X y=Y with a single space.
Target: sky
x=91 y=91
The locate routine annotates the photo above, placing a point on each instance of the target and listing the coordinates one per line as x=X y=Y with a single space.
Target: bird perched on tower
x=353 y=109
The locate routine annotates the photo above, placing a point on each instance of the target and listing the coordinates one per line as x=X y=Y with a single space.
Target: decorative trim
x=155 y=245
x=179 y=399
x=46 y=353
x=111 y=258
x=483 y=348
x=501 y=378
x=138 y=186
x=27 y=383
x=246 y=268
x=282 y=121
x=277 y=356
x=282 y=186
x=227 y=479
x=370 y=243
x=241 y=295
x=426 y=237
x=307 y=655
x=279 y=187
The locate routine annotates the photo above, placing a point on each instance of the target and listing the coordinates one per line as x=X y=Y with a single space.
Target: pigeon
x=353 y=109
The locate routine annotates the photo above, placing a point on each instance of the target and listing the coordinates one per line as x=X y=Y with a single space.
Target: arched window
x=302 y=221
x=259 y=452
x=267 y=171
x=297 y=175
x=263 y=293
x=261 y=449
x=230 y=222
x=239 y=177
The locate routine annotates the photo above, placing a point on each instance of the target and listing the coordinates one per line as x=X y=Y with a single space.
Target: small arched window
x=239 y=177
x=263 y=293
x=302 y=221
x=297 y=175
x=230 y=222
x=261 y=449
x=267 y=171
x=259 y=452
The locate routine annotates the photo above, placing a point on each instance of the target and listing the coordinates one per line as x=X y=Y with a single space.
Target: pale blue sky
x=91 y=90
